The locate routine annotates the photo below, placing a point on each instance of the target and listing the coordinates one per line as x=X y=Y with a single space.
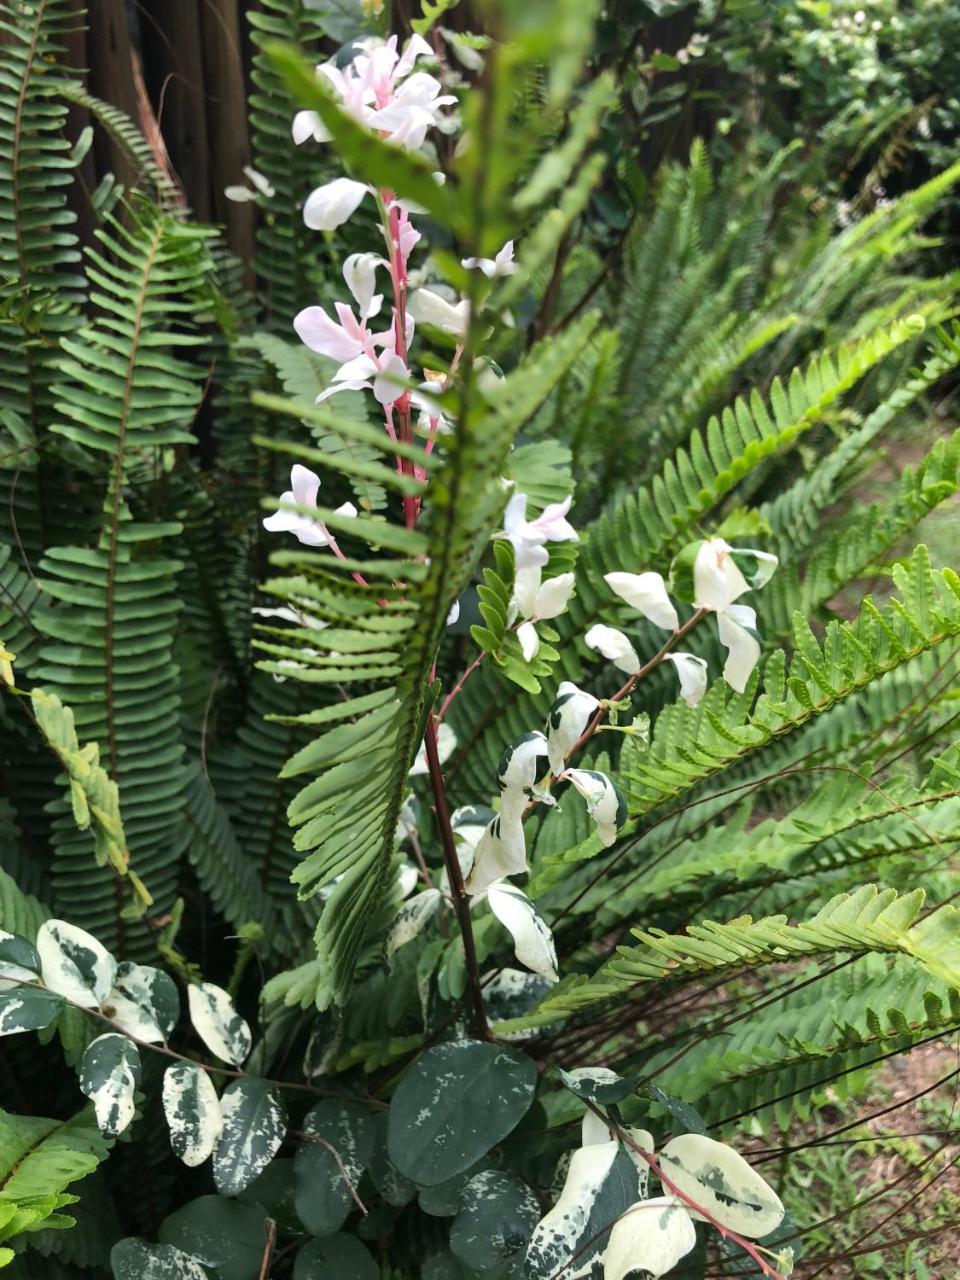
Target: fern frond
x=867 y=920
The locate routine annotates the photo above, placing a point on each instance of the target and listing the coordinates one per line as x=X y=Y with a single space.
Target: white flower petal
x=430 y=308
x=614 y=646
x=647 y=593
x=360 y=273
x=307 y=124
x=320 y=333
x=529 y=641
x=692 y=673
x=553 y=596
x=717 y=581
x=329 y=206
x=736 y=627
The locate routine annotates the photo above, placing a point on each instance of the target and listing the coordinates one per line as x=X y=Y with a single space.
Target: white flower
x=454 y=614
x=261 y=187
x=737 y=629
x=501 y=851
x=502 y=265
x=718 y=573
x=304 y=485
x=360 y=273
x=329 y=206
x=615 y=646
x=605 y=802
x=717 y=581
x=528 y=536
x=368 y=361
x=342 y=342
x=378 y=89
x=431 y=308
x=692 y=672
x=535 y=601
x=568 y=718
x=647 y=593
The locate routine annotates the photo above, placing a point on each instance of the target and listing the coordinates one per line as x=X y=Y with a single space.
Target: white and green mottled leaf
x=600 y=1185
x=719 y=1180
x=19 y=960
x=28 y=1009
x=254 y=1126
x=411 y=919
x=218 y=1024
x=74 y=964
x=144 y=1002
x=323 y=1199
x=226 y=1235
x=650 y=1238
x=193 y=1112
x=109 y=1075
x=456 y=1102
x=132 y=1259
x=497 y=1215
x=533 y=943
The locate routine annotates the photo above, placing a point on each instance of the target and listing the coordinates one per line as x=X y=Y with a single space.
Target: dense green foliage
x=243 y=777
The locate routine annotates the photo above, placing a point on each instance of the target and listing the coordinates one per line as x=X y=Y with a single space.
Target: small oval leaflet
x=720 y=1180
x=339 y=1257
x=144 y=1002
x=225 y=1236
x=109 y=1075
x=411 y=919
x=192 y=1109
x=28 y=1009
x=497 y=1216
x=19 y=960
x=74 y=964
x=254 y=1126
x=650 y=1238
x=218 y=1024
x=323 y=1199
x=133 y=1259
x=456 y=1102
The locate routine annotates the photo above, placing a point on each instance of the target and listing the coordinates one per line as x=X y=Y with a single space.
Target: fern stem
x=461 y=902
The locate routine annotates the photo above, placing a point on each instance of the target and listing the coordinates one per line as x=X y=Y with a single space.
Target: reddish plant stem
x=461 y=901
x=460 y=683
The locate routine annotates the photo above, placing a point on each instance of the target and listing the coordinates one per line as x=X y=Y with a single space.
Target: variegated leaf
x=533 y=943
x=254 y=1126
x=132 y=1259
x=144 y=1002
x=74 y=964
x=193 y=1113
x=19 y=960
x=109 y=1075
x=28 y=1009
x=720 y=1181
x=650 y=1238
x=411 y=919
x=600 y=1185
x=218 y=1024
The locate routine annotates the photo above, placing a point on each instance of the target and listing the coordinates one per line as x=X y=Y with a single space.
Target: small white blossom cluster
x=384 y=90
x=713 y=575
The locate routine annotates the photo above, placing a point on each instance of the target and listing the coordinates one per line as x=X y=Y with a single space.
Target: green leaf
x=226 y=1236
x=192 y=1110
x=456 y=1102
x=109 y=1075
x=339 y=1257
x=254 y=1126
x=323 y=1197
x=133 y=1259
x=28 y=1009
x=497 y=1216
